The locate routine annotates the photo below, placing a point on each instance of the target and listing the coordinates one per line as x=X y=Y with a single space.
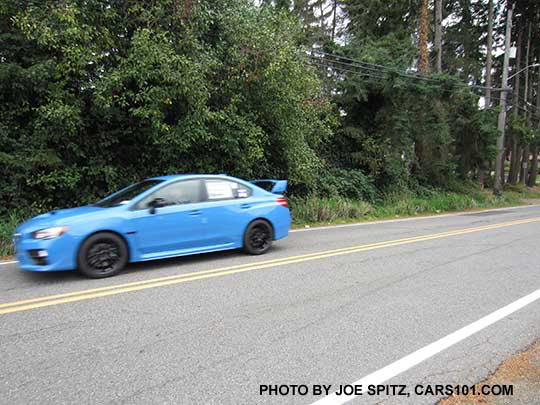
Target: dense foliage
x=96 y=94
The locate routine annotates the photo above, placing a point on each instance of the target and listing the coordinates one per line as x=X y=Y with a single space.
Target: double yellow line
x=40 y=302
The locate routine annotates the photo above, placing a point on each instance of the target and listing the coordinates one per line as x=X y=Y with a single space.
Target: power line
x=533 y=117
x=379 y=77
x=525 y=103
x=354 y=60
x=369 y=66
x=340 y=69
x=376 y=67
x=408 y=75
x=404 y=74
x=347 y=64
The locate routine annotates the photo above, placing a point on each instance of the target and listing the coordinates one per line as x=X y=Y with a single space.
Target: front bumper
x=61 y=253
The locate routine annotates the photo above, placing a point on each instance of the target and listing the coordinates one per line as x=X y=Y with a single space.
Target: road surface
x=340 y=305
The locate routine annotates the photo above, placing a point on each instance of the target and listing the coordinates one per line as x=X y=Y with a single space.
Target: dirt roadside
x=522 y=370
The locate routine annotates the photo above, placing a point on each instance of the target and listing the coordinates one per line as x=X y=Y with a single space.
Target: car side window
x=217 y=189
x=180 y=192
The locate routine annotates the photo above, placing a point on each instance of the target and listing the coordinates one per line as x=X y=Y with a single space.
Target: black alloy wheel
x=102 y=255
x=258 y=237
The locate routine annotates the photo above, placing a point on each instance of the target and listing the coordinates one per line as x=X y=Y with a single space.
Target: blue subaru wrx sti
x=156 y=218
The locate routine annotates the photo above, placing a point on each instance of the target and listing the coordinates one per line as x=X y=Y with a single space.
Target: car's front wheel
x=258 y=237
x=103 y=254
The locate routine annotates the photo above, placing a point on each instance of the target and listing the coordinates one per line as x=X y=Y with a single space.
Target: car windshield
x=126 y=195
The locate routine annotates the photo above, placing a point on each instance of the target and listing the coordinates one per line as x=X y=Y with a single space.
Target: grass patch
x=315 y=210
x=7 y=228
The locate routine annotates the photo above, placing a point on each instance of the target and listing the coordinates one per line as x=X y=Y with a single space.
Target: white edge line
x=10 y=262
x=389 y=221
x=411 y=360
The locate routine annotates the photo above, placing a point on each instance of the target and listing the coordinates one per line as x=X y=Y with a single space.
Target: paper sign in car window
x=218 y=190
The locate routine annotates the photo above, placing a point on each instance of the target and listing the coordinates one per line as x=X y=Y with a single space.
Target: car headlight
x=50 y=233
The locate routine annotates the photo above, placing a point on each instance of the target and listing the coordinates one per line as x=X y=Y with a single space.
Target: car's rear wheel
x=103 y=254
x=258 y=237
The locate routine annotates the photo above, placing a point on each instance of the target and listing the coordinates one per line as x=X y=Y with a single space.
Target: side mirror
x=156 y=203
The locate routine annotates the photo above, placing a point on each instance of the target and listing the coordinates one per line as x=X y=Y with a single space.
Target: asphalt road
x=309 y=312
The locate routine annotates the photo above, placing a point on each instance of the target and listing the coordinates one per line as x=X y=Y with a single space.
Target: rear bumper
x=282 y=224
x=60 y=254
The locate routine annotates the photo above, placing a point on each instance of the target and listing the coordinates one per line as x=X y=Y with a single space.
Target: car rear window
x=217 y=189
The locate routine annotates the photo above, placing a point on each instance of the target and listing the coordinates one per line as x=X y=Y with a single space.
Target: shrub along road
x=326 y=306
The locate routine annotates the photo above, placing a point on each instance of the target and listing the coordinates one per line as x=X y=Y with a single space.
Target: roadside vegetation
x=322 y=211
x=365 y=110
x=7 y=228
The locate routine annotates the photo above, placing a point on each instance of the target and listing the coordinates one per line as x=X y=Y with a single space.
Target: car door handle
x=245 y=206
x=195 y=213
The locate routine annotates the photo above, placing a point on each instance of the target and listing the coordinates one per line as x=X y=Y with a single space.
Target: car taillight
x=283 y=202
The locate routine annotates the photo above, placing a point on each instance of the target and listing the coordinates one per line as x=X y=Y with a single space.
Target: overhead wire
x=532 y=118
x=377 y=68
x=527 y=105
x=405 y=74
x=340 y=69
x=380 y=77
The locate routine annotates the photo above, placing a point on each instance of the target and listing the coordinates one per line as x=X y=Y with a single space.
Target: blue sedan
x=156 y=218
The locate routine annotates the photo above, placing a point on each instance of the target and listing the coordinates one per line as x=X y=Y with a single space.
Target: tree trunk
x=321 y=10
x=538 y=95
x=423 y=54
x=531 y=181
x=502 y=169
x=515 y=159
x=438 y=34
x=524 y=165
x=188 y=9
x=489 y=54
x=334 y=19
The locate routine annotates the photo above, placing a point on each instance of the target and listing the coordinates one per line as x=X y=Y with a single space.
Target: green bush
x=347 y=183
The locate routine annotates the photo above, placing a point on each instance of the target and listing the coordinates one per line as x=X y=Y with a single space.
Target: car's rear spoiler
x=274 y=186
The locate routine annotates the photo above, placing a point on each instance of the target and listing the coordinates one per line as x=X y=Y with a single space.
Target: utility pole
x=525 y=158
x=489 y=54
x=499 y=163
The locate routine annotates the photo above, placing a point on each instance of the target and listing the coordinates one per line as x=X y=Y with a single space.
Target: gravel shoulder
x=522 y=370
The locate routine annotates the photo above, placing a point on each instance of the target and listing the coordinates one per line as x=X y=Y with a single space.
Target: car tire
x=103 y=254
x=258 y=237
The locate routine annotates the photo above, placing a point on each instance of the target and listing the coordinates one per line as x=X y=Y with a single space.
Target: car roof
x=180 y=176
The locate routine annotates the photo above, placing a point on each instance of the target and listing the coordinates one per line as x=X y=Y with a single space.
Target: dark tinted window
x=265 y=185
x=127 y=194
x=225 y=190
x=180 y=192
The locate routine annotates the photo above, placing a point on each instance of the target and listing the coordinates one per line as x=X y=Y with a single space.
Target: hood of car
x=57 y=218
